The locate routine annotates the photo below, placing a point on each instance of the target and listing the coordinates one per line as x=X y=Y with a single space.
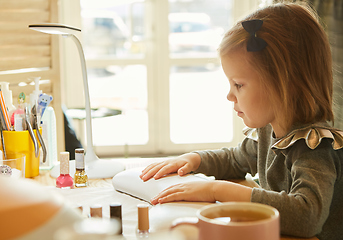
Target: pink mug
x=235 y=220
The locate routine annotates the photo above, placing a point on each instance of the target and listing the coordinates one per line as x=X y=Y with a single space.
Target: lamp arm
x=96 y=168
x=90 y=154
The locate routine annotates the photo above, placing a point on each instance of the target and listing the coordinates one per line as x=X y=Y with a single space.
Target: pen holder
x=21 y=142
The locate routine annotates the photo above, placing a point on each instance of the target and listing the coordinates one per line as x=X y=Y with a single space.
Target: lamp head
x=54 y=28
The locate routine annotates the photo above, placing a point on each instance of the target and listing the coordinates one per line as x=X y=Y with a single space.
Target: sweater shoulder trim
x=313 y=136
x=251 y=133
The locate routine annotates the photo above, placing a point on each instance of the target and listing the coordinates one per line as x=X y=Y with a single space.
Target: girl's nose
x=231 y=97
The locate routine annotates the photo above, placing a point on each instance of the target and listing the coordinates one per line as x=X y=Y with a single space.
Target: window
x=156 y=61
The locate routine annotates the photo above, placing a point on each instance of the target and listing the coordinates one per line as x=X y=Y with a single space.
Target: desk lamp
x=95 y=167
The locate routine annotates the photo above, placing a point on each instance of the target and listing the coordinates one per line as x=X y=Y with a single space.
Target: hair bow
x=254 y=43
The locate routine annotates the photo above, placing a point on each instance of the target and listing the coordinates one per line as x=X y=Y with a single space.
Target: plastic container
x=49 y=135
x=34 y=95
x=7 y=96
x=20 y=142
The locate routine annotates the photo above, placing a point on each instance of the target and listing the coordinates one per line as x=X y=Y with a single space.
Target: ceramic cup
x=235 y=220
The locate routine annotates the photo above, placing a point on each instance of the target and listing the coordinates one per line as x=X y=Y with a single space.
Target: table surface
x=104 y=188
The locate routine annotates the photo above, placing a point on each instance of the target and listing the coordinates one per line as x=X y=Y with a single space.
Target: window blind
x=20 y=47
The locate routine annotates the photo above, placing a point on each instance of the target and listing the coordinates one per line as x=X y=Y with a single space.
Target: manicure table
x=101 y=191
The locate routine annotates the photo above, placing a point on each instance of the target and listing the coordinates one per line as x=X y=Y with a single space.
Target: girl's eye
x=238 y=86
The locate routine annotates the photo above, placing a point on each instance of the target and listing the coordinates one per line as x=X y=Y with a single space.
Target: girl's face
x=246 y=92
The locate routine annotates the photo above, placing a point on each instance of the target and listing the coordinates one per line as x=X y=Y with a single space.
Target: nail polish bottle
x=115 y=213
x=64 y=180
x=95 y=211
x=80 y=177
x=143 y=221
x=79 y=208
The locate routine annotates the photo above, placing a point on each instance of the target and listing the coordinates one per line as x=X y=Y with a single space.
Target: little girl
x=278 y=63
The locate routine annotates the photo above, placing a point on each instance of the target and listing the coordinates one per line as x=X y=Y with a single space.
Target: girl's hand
x=222 y=191
x=182 y=165
x=192 y=192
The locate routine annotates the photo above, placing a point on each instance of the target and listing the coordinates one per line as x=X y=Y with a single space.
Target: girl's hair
x=296 y=65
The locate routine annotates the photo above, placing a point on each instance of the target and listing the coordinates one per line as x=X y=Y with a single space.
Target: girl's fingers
x=153 y=170
x=166 y=169
x=169 y=194
x=159 y=170
x=148 y=173
x=192 y=191
x=149 y=167
x=174 y=197
x=184 y=170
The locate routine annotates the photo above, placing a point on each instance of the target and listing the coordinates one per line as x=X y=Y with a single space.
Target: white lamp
x=95 y=167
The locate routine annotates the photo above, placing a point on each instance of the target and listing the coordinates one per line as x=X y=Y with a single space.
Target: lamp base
x=95 y=169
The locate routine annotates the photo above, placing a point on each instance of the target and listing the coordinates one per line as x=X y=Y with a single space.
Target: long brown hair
x=295 y=67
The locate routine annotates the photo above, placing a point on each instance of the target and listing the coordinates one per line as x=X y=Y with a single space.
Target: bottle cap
x=143 y=217
x=96 y=210
x=79 y=150
x=79 y=208
x=64 y=162
x=79 y=158
x=115 y=210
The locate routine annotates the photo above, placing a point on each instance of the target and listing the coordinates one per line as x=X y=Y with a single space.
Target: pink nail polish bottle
x=64 y=180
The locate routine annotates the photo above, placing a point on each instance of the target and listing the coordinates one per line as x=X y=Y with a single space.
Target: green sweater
x=300 y=175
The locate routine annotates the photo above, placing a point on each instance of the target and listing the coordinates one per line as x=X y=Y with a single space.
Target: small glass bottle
x=64 y=180
x=80 y=177
x=143 y=221
x=116 y=213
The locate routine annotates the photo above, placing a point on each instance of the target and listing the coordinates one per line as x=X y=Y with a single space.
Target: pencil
x=5 y=112
x=3 y=143
x=2 y=120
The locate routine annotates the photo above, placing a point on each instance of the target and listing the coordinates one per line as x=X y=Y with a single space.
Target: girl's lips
x=239 y=113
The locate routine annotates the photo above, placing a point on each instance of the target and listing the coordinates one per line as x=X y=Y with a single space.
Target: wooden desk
x=45 y=179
